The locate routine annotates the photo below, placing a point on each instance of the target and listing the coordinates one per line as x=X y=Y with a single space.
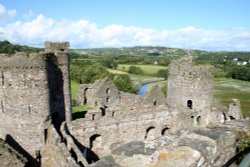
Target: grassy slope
x=227 y=89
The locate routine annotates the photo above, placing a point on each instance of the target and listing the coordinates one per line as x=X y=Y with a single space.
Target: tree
x=124 y=83
x=109 y=62
x=162 y=73
x=94 y=72
x=135 y=70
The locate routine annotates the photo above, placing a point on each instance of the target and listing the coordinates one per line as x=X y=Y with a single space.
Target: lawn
x=75 y=88
x=148 y=69
x=227 y=89
x=116 y=71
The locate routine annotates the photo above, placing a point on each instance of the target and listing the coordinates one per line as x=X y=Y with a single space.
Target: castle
x=35 y=112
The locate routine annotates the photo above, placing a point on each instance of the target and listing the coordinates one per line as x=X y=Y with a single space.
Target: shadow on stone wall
x=88 y=154
x=56 y=93
x=32 y=162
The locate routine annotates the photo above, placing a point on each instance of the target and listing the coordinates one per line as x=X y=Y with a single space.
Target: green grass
x=80 y=111
x=148 y=69
x=116 y=71
x=227 y=89
x=75 y=89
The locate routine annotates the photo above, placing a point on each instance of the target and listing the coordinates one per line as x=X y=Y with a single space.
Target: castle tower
x=34 y=93
x=189 y=85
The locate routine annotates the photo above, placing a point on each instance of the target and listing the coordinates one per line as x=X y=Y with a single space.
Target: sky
x=214 y=25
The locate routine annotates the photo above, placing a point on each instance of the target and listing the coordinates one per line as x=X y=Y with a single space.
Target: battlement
x=23 y=61
x=185 y=67
x=52 y=47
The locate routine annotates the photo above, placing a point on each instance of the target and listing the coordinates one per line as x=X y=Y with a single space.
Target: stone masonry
x=123 y=129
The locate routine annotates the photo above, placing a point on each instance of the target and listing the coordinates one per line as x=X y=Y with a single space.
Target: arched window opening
x=190 y=104
x=155 y=102
x=149 y=133
x=108 y=91
x=164 y=131
x=113 y=114
x=103 y=110
x=198 y=120
x=85 y=92
x=95 y=141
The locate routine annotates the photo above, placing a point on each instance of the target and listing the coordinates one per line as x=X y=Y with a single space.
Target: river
x=144 y=88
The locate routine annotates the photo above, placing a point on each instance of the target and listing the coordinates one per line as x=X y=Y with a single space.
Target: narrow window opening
x=103 y=110
x=93 y=117
x=198 y=120
x=108 y=91
x=2 y=77
x=85 y=100
x=113 y=113
x=107 y=100
x=2 y=106
x=45 y=135
x=190 y=104
x=24 y=80
x=155 y=102
x=29 y=109
x=85 y=92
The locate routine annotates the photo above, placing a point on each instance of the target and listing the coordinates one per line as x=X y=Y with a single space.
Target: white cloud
x=6 y=14
x=85 y=34
x=28 y=15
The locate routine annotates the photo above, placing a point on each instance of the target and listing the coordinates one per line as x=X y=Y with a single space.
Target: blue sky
x=191 y=24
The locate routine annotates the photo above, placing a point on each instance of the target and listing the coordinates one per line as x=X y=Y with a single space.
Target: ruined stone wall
x=102 y=92
x=190 y=85
x=24 y=98
x=56 y=153
x=61 y=52
x=154 y=97
x=34 y=92
x=109 y=131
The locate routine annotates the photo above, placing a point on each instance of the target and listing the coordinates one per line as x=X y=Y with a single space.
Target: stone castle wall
x=118 y=127
x=190 y=85
x=34 y=93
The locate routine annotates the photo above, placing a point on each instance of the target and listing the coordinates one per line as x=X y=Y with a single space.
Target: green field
x=148 y=69
x=227 y=89
x=116 y=71
x=224 y=90
x=75 y=88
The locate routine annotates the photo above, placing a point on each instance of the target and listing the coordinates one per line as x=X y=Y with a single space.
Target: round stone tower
x=189 y=85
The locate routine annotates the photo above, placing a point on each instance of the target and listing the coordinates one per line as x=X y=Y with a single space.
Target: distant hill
x=201 y=56
x=137 y=51
x=9 y=48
